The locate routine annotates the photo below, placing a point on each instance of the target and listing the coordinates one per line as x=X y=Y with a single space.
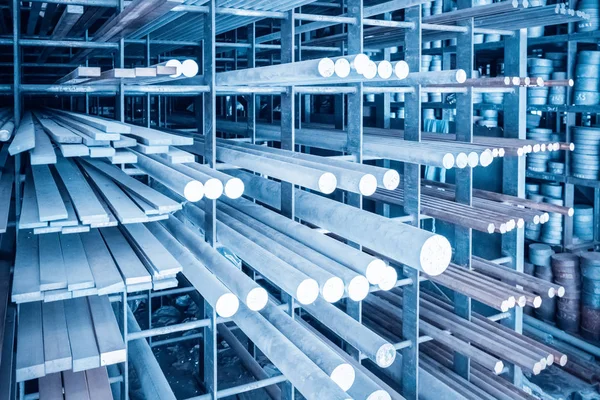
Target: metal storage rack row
x=515 y=108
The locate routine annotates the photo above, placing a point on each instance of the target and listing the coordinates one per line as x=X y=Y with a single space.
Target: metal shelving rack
x=206 y=97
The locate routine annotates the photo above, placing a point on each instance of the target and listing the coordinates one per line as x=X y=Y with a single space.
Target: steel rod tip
x=327 y=183
x=435 y=255
x=571 y=211
x=522 y=301
x=473 y=159
x=333 y=289
x=193 y=191
x=491 y=228
x=461 y=76
x=213 y=188
x=389 y=279
x=384 y=69
x=307 y=291
x=563 y=360
x=367 y=185
x=391 y=179
x=343 y=375
x=448 y=161
x=498 y=368
x=539 y=81
x=512 y=302
x=177 y=64
x=326 y=67
x=189 y=68
x=504 y=306
x=376 y=271
x=227 y=305
x=370 y=70
x=537 y=302
x=401 y=69
x=360 y=63
x=486 y=158
x=550 y=359
x=342 y=68
x=379 y=395
x=234 y=188
x=358 y=288
x=385 y=355
x=560 y=292
x=520 y=223
x=257 y=299
x=551 y=292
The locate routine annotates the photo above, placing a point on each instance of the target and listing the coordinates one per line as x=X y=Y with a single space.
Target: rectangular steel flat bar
x=112 y=221
x=76 y=385
x=178 y=156
x=162 y=284
x=145 y=72
x=153 y=137
x=79 y=274
x=79 y=75
x=90 y=141
x=48 y=229
x=81 y=335
x=50 y=387
x=126 y=211
x=52 y=206
x=6 y=188
x=84 y=199
x=30 y=216
x=124 y=142
x=57 y=351
x=79 y=126
x=103 y=124
x=4 y=301
x=101 y=151
x=107 y=276
x=122 y=156
x=57 y=132
x=71 y=220
x=153 y=197
x=43 y=152
x=24 y=137
x=26 y=277
x=57 y=295
x=74 y=150
x=52 y=266
x=146 y=207
x=132 y=269
x=154 y=149
x=85 y=292
x=108 y=336
x=30 y=343
x=98 y=384
x=162 y=261
x=75 y=229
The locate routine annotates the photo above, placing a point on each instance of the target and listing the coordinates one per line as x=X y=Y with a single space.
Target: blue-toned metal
x=16 y=22
x=251 y=54
x=465 y=59
x=412 y=207
x=513 y=169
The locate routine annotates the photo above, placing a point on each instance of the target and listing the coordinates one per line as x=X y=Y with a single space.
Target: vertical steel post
x=120 y=106
x=464 y=177
x=148 y=63
x=288 y=142
x=383 y=101
x=87 y=64
x=125 y=372
x=210 y=222
x=17 y=100
x=513 y=168
x=354 y=133
x=251 y=54
x=412 y=206
x=569 y=123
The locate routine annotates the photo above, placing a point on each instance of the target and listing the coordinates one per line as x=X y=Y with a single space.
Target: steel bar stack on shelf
x=244 y=154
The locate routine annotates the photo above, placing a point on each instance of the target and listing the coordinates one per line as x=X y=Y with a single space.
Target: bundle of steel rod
x=420 y=249
x=460 y=214
x=529 y=283
x=436 y=154
x=506 y=200
x=357 y=178
x=345 y=69
x=485 y=342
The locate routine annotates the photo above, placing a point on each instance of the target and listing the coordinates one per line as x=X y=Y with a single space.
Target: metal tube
x=427 y=252
x=250 y=293
x=362 y=263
